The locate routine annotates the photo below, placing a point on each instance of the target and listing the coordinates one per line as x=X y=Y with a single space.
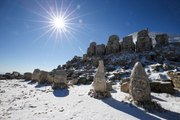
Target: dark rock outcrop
x=144 y=42
x=128 y=44
x=100 y=50
x=113 y=45
x=91 y=51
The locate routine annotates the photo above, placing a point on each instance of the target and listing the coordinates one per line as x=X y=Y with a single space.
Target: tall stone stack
x=100 y=50
x=127 y=44
x=36 y=75
x=60 y=79
x=113 y=45
x=144 y=42
x=99 y=83
x=139 y=87
x=91 y=51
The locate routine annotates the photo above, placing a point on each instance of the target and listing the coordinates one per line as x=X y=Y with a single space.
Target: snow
x=20 y=100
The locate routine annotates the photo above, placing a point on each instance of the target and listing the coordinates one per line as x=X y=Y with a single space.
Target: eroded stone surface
x=139 y=87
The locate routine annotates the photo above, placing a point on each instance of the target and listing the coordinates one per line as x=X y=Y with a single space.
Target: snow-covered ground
x=20 y=100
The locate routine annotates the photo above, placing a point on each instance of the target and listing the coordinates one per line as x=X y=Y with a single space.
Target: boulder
x=157 y=67
x=60 y=79
x=144 y=42
x=125 y=87
x=108 y=86
x=36 y=75
x=128 y=44
x=139 y=87
x=100 y=50
x=28 y=76
x=82 y=79
x=91 y=51
x=175 y=77
x=43 y=77
x=161 y=39
x=161 y=87
x=50 y=78
x=99 y=84
x=113 y=45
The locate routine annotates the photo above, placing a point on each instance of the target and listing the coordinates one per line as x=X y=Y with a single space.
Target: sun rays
x=59 y=21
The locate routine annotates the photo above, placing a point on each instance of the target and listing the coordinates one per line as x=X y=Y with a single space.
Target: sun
x=59 y=20
x=58 y=23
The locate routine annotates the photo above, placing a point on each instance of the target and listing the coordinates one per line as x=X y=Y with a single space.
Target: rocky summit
x=157 y=52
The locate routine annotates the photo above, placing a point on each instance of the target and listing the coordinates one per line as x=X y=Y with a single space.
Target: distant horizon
x=44 y=34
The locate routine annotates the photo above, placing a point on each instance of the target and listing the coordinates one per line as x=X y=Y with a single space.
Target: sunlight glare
x=58 y=23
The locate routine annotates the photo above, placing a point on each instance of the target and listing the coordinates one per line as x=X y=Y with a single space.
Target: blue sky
x=23 y=24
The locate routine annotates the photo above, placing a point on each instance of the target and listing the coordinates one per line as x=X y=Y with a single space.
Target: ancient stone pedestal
x=99 y=84
x=60 y=79
x=139 y=87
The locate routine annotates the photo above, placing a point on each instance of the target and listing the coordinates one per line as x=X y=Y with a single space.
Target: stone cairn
x=60 y=79
x=139 y=87
x=99 y=84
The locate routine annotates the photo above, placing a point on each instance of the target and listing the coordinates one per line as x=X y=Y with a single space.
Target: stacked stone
x=91 y=51
x=128 y=44
x=144 y=42
x=113 y=45
x=100 y=50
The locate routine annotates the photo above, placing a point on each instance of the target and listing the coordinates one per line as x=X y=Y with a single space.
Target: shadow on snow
x=61 y=92
x=138 y=113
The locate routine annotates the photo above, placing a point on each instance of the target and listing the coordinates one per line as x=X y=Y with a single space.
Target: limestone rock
x=60 y=79
x=161 y=87
x=109 y=86
x=144 y=42
x=175 y=77
x=28 y=76
x=91 y=49
x=113 y=45
x=99 y=83
x=125 y=87
x=139 y=87
x=128 y=44
x=36 y=75
x=100 y=50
